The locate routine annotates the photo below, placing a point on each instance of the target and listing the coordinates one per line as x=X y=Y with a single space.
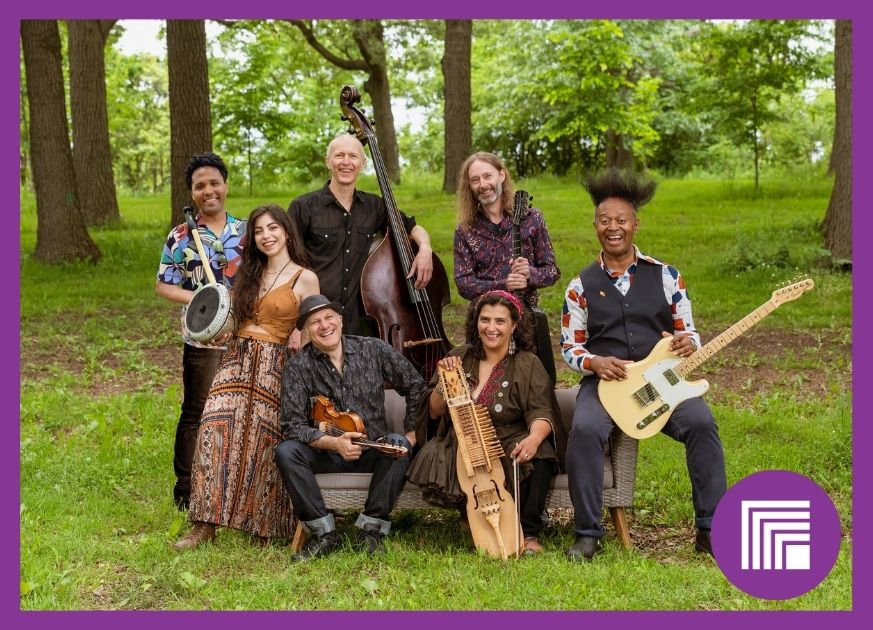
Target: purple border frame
x=160 y=9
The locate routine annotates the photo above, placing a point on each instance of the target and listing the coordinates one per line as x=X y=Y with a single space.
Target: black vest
x=625 y=326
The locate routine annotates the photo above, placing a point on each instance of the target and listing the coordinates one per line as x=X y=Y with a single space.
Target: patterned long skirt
x=234 y=479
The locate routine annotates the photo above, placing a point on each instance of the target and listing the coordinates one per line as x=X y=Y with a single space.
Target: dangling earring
x=511 y=345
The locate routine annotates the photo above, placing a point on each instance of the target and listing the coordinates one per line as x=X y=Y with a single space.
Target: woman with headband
x=508 y=378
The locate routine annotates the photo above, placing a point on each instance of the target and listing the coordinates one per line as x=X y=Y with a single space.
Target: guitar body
x=642 y=403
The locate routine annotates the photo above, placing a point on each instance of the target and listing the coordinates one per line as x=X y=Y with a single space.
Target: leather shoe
x=201 y=533
x=318 y=547
x=583 y=549
x=531 y=546
x=703 y=541
x=371 y=542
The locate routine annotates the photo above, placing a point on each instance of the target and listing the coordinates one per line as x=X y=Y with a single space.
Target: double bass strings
x=419 y=297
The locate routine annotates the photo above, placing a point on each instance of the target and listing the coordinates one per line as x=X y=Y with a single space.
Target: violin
x=409 y=319
x=332 y=422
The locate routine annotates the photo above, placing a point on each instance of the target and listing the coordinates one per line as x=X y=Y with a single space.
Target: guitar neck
x=703 y=354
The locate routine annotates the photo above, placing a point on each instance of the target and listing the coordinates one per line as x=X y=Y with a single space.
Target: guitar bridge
x=660 y=411
x=645 y=395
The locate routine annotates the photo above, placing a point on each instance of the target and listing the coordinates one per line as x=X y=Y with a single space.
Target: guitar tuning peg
x=351 y=130
x=344 y=117
x=372 y=121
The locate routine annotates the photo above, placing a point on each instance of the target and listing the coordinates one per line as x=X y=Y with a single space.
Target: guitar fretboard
x=684 y=367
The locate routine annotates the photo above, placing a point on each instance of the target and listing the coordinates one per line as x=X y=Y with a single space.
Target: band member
x=483 y=236
x=180 y=274
x=234 y=481
x=351 y=372
x=483 y=246
x=339 y=224
x=615 y=312
x=510 y=381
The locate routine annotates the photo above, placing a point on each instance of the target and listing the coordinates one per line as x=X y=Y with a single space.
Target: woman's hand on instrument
x=347 y=449
x=422 y=267
x=449 y=363
x=525 y=450
x=609 y=368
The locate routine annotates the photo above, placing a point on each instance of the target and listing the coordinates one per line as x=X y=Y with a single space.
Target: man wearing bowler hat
x=350 y=371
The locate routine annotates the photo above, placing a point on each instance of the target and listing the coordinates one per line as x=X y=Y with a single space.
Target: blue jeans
x=198 y=369
x=692 y=424
x=299 y=463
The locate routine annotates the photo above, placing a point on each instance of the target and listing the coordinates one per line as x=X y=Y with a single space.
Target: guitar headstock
x=792 y=291
x=520 y=204
x=361 y=126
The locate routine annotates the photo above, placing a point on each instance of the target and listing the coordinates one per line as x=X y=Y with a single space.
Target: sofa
x=348 y=491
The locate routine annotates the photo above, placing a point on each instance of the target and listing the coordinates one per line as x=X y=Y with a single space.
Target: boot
x=201 y=533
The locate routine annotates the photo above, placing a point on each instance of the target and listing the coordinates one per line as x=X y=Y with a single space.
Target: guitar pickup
x=645 y=395
x=660 y=411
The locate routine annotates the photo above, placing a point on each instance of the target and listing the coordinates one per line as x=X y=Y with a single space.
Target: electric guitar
x=520 y=204
x=642 y=403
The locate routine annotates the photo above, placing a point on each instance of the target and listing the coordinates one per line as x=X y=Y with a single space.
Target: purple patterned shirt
x=483 y=253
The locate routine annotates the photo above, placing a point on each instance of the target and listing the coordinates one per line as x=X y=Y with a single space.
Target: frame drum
x=209 y=314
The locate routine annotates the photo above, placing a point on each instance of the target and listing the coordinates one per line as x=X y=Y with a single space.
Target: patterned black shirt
x=338 y=243
x=368 y=363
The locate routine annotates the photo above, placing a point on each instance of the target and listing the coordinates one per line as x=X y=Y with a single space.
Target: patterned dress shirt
x=368 y=363
x=181 y=265
x=574 y=320
x=483 y=253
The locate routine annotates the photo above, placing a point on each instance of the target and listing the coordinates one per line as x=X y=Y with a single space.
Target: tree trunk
x=190 y=118
x=617 y=155
x=92 y=157
x=61 y=235
x=458 y=132
x=837 y=225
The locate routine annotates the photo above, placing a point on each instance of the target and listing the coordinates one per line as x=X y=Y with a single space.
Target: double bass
x=409 y=319
x=491 y=511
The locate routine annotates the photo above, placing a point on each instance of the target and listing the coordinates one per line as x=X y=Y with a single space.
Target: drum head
x=209 y=313
x=202 y=309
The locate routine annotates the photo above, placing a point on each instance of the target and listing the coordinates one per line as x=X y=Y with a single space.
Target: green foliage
x=750 y=65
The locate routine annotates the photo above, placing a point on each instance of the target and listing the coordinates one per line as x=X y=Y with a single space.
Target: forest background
x=741 y=121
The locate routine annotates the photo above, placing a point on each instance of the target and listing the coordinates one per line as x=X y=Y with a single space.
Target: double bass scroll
x=409 y=319
x=491 y=512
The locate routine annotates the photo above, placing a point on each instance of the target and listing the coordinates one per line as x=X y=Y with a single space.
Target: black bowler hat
x=313 y=303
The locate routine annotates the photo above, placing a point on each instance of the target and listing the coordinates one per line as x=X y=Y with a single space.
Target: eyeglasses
x=220 y=256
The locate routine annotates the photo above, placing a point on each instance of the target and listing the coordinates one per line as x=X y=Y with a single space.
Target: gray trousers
x=692 y=424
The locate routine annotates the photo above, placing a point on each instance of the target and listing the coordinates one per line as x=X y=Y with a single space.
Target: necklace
x=264 y=293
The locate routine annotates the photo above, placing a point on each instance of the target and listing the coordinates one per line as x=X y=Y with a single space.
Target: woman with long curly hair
x=234 y=480
x=507 y=377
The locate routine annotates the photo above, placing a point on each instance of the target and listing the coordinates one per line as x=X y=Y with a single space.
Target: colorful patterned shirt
x=181 y=265
x=574 y=320
x=483 y=253
x=368 y=363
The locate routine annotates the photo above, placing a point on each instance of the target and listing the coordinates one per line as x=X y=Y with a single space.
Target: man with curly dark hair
x=180 y=273
x=615 y=311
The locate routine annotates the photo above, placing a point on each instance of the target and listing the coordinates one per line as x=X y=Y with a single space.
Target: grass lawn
x=100 y=392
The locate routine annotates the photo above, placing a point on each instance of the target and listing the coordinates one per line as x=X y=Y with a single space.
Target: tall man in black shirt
x=339 y=223
x=351 y=372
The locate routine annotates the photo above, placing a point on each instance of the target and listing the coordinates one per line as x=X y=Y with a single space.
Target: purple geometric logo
x=776 y=534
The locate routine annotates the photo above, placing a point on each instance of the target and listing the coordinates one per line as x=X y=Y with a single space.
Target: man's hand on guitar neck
x=519 y=274
x=683 y=344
